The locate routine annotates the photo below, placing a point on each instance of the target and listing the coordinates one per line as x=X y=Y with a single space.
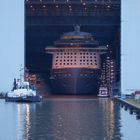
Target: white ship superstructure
x=76 y=57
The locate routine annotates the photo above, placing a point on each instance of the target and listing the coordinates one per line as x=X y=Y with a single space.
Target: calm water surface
x=67 y=119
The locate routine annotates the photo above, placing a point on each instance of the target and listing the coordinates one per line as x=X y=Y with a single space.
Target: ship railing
x=113 y=2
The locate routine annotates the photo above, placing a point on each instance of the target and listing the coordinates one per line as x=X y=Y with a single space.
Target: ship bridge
x=77 y=34
x=46 y=20
x=77 y=38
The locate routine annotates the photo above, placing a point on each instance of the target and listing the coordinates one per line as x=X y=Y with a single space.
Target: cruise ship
x=76 y=63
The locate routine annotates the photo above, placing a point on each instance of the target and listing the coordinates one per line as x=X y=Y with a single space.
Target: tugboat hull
x=24 y=99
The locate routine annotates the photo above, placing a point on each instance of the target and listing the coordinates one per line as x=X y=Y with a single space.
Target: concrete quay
x=128 y=105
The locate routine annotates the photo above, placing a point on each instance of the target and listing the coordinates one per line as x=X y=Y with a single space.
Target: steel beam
x=83 y=2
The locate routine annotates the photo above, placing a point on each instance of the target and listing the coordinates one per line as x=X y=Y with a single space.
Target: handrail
x=87 y=2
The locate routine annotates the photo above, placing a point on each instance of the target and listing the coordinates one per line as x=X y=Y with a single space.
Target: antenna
x=77 y=28
x=21 y=75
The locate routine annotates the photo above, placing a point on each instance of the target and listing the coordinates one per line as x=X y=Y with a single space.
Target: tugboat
x=103 y=92
x=22 y=92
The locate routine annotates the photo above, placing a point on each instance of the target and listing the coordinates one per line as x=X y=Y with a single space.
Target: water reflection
x=72 y=119
x=67 y=119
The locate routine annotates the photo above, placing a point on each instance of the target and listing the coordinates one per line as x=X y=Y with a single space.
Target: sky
x=130 y=45
x=12 y=43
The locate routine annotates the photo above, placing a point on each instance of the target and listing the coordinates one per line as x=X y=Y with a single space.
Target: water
x=67 y=119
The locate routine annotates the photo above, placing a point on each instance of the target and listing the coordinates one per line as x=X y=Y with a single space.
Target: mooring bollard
x=125 y=107
x=137 y=115
x=131 y=111
x=122 y=105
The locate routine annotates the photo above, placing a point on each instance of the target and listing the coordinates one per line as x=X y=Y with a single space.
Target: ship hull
x=75 y=81
x=24 y=99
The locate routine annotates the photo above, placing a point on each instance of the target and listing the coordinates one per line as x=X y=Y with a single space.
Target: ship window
x=68 y=60
x=67 y=63
x=80 y=63
x=84 y=60
x=87 y=56
x=64 y=60
x=61 y=53
x=65 y=53
x=75 y=60
x=74 y=63
x=80 y=60
x=87 y=53
x=95 y=63
x=75 y=53
x=63 y=63
x=55 y=63
x=80 y=53
x=71 y=53
x=90 y=56
x=60 y=63
x=87 y=63
x=83 y=56
x=91 y=63
x=56 y=60
x=90 y=53
x=87 y=60
x=94 y=56
x=68 y=57
x=71 y=59
x=68 y=53
x=56 y=56
x=74 y=56
x=95 y=60
x=83 y=63
x=57 y=53
x=94 y=53
x=60 y=59
x=71 y=63
x=91 y=60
